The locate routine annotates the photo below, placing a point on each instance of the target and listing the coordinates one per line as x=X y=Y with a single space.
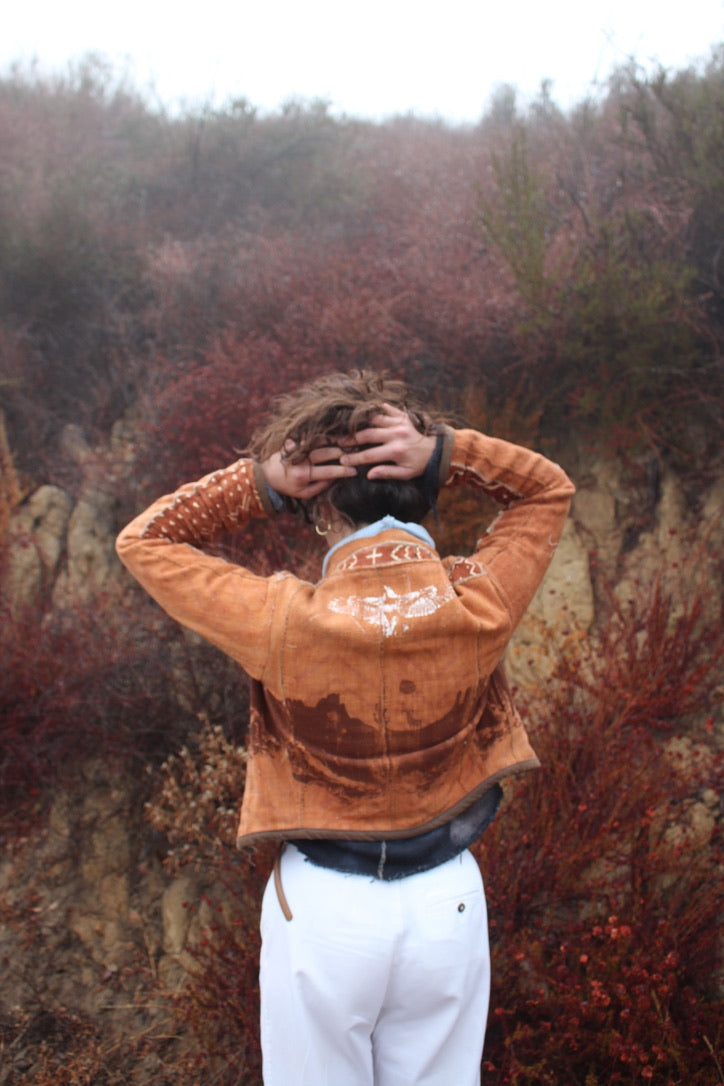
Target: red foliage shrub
x=219 y=1003
x=88 y=679
x=196 y=808
x=603 y=871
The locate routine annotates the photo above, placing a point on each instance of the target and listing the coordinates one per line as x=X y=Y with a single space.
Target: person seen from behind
x=381 y=723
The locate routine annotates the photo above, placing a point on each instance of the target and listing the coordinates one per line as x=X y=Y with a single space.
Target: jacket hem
x=308 y=833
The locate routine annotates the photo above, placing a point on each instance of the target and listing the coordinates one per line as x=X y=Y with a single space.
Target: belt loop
x=278 y=885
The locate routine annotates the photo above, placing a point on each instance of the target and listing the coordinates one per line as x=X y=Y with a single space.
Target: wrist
x=269 y=496
x=276 y=500
x=431 y=474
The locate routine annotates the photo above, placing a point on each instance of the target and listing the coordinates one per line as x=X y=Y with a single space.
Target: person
x=381 y=724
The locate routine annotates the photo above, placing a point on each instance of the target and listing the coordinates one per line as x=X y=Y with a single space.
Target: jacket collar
x=392 y=528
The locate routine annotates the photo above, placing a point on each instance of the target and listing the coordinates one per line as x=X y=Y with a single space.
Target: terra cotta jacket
x=378 y=709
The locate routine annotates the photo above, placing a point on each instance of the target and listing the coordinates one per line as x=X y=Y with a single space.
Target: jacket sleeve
x=534 y=496
x=226 y=603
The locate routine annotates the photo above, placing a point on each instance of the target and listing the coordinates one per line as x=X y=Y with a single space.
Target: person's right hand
x=308 y=477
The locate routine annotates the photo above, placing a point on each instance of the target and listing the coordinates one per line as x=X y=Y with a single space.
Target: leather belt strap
x=284 y=904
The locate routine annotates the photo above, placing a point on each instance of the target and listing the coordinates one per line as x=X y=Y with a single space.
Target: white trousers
x=374 y=983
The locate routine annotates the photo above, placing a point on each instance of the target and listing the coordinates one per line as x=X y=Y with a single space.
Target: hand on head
x=308 y=477
x=395 y=450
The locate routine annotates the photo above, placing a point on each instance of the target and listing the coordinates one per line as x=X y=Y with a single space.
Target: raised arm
x=227 y=603
x=534 y=496
x=163 y=549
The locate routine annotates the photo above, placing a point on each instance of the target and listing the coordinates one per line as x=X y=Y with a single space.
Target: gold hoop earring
x=323 y=530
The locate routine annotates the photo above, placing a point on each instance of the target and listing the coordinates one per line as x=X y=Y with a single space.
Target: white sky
x=367 y=58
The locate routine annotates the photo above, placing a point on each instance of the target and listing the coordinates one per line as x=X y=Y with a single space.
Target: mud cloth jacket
x=378 y=707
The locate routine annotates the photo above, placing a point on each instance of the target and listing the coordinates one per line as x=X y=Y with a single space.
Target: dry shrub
x=604 y=870
x=114 y=676
x=45 y=1047
x=196 y=807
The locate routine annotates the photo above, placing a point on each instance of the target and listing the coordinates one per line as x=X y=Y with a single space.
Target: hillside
x=554 y=279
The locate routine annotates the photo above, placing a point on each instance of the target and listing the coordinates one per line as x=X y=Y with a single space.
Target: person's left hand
x=399 y=450
x=306 y=478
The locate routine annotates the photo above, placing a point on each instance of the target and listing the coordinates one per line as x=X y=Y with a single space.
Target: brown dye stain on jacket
x=379 y=706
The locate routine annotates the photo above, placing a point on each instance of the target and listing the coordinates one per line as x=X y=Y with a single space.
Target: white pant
x=374 y=983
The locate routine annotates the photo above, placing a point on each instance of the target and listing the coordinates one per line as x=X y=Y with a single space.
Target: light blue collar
x=381 y=526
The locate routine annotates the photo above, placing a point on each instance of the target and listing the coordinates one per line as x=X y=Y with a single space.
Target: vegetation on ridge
x=553 y=277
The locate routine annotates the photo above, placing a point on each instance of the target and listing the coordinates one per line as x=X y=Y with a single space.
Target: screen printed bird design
x=390 y=611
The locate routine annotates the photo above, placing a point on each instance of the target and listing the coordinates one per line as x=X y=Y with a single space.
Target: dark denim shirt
x=397 y=858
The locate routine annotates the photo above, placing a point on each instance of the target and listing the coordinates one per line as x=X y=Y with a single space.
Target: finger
x=380 y=436
x=313 y=489
x=321 y=477
x=388 y=471
x=330 y=472
x=402 y=429
x=373 y=455
x=386 y=423
x=324 y=454
x=390 y=412
x=377 y=453
x=365 y=437
x=289 y=450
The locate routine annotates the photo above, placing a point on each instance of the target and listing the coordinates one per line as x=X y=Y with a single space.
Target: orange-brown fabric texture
x=379 y=708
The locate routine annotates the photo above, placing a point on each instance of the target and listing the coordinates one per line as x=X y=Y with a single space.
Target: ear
x=322 y=509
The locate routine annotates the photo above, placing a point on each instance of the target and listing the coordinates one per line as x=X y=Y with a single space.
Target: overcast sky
x=368 y=59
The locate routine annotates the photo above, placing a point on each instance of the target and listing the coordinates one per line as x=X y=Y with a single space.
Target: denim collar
x=411 y=527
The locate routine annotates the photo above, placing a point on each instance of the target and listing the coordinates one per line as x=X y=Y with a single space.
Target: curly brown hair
x=338 y=405
x=333 y=406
